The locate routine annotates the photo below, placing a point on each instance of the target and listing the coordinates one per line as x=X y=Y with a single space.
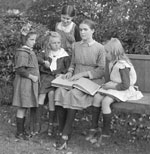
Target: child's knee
x=97 y=100
x=52 y=105
x=51 y=93
x=21 y=112
x=51 y=100
x=106 y=105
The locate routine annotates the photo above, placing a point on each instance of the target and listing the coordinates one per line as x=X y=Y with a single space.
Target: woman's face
x=66 y=20
x=31 y=40
x=86 y=32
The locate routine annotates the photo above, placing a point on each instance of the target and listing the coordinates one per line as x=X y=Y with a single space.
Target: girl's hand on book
x=109 y=85
x=106 y=87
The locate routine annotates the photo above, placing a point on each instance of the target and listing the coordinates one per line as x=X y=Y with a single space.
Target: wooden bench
x=142 y=106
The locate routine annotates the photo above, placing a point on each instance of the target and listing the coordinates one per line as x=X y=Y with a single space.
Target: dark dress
x=46 y=75
x=25 y=90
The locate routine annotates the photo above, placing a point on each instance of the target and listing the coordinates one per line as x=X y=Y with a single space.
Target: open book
x=83 y=84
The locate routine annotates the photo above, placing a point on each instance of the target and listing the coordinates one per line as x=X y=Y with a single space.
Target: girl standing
x=120 y=87
x=88 y=60
x=55 y=61
x=68 y=30
x=25 y=83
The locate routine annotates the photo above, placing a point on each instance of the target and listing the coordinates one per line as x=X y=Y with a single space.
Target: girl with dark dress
x=54 y=61
x=26 y=84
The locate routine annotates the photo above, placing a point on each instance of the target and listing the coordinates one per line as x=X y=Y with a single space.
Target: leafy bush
x=125 y=19
x=128 y=20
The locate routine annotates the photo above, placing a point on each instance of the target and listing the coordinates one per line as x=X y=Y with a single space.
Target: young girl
x=26 y=82
x=88 y=60
x=120 y=87
x=54 y=61
x=67 y=28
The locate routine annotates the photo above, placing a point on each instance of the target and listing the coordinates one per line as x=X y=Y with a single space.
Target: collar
x=25 y=46
x=66 y=29
x=89 y=43
x=58 y=54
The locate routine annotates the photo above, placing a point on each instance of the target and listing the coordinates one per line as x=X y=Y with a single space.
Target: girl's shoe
x=33 y=133
x=37 y=128
x=50 y=129
x=91 y=134
x=58 y=138
x=62 y=144
x=105 y=133
x=22 y=136
x=28 y=135
x=95 y=137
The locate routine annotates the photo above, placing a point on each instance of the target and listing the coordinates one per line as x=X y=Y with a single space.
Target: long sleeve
x=99 y=70
x=72 y=64
x=22 y=71
x=42 y=67
x=107 y=75
x=41 y=58
x=124 y=73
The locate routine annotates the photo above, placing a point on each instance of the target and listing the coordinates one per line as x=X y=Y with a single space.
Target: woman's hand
x=68 y=75
x=78 y=76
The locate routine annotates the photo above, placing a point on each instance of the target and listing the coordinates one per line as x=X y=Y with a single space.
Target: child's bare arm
x=33 y=77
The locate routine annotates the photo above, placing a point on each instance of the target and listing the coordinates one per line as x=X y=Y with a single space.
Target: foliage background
x=128 y=20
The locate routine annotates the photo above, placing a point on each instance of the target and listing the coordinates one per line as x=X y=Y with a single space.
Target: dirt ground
x=121 y=142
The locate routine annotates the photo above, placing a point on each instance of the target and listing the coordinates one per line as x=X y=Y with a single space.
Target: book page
x=87 y=86
x=83 y=84
x=59 y=82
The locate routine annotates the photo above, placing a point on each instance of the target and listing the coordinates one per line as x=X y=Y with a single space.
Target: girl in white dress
x=120 y=86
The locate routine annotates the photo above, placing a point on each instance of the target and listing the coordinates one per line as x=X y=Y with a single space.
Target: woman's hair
x=116 y=49
x=49 y=37
x=89 y=22
x=68 y=10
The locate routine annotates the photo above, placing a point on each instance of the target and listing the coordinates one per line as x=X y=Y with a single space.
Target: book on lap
x=84 y=84
x=60 y=82
x=88 y=86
